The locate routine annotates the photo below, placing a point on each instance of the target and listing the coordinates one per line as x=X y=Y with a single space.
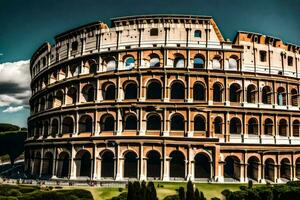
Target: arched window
x=177 y=164
x=282 y=127
x=178 y=61
x=54 y=127
x=85 y=124
x=296 y=126
x=268 y=130
x=84 y=162
x=235 y=126
x=107 y=164
x=110 y=64
x=107 y=123
x=199 y=92
x=74 y=69
x=46 y=129
x=233 y=64
x=154 y=60
x=91 y=66
x=59 y=98
x=217 y=94
x=216 y=64
x=129 y=62
x=177 y=122
x=154 y=90
x=199 y=62
x=266 y=95
x=130 y=165
x=88 y=92
x=197 y=34
x=71 y=96
x=153 y=122
x=218 y=125
x=251 y=94
x=153 y=164
x=235 y=90
x=67 y=125
x=177 y=90
x=50 y=102
x=294 y=97
x=42 y=104
x=252 y=127
x=130 y=122
x=281 y=96
x=199 y=123
x=131 y=90
x=109 y=91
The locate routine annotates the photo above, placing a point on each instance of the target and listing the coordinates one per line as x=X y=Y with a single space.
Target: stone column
x=166 y=160
x=94 y=166
x=73 y=164
x=142 y=174
x=41 y=163
x=120 y=163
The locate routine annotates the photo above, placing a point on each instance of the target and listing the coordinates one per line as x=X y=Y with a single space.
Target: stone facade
x=164 y=98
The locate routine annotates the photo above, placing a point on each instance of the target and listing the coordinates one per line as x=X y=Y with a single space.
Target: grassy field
x=210 y=190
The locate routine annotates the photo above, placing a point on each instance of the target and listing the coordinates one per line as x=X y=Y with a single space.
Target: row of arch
x=203 y=166
x=154 y=122
x=154 y=90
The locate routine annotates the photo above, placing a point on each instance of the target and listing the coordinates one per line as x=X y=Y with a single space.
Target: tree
x=181 y=193
x=190 y=195
x=130 y=191
x=151 y=191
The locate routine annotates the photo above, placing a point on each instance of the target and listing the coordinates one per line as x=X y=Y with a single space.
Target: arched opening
x=252 y=126
x=107 y=123
x=59 y=97
x=266 y=95
x=154 y=60
x=202 y=167
x=54 y=127
x=85 y=124
x=199 y=62
x=68 y=125
x=88 y=92
x=285 y=169
x=232 y=168
x=281 y=96
x=282 y=127
x=46 y=129
x=42 y=104
x=233 y=63
x=218 y=125
x=50 y=102
x=130 y=122
x=199 y=123
x=154 y=90
x=129 y=62
x=235 y=92
x=297 y=168
x=153 y=122
x=110 y=63
x=178 y=61
x=217 y=92
x=130 y=165
x=251 y=94
x=107 y=164
x=296 y=127
x=109 y=91
x=252 y=168
x=216 y=64
x=131 y=90
x=269 y=169
x=177 y=165
x=235 y=126
x=71 y=96
x=177 y=122
x=153 y=164
x=47 y=164
x=91 y=65
x=177 y=90
x=37 y=164
x=268 y=130
x=294 y=97
x=63 y=165
x=199 y=92
x=84 y=163
x=74 y=69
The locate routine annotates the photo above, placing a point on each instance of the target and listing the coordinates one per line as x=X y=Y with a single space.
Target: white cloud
x=15 y=83
x=12 y=109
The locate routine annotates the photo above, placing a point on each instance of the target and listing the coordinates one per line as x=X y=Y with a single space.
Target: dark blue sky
x=26 y=24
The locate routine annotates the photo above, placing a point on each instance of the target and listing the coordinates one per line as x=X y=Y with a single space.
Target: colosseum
x=164 y=97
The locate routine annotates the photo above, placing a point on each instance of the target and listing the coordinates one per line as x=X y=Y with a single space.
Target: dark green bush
x=172 y=197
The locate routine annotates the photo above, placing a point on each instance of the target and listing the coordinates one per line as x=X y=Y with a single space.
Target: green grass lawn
x=210 y=190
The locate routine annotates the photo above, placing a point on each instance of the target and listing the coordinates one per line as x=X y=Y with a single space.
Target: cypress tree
x=136 y=190
x=181 y=193
x=130 y=191
x=143 y=192
x=151 y=191
x=190 y=195
x=197 y=194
